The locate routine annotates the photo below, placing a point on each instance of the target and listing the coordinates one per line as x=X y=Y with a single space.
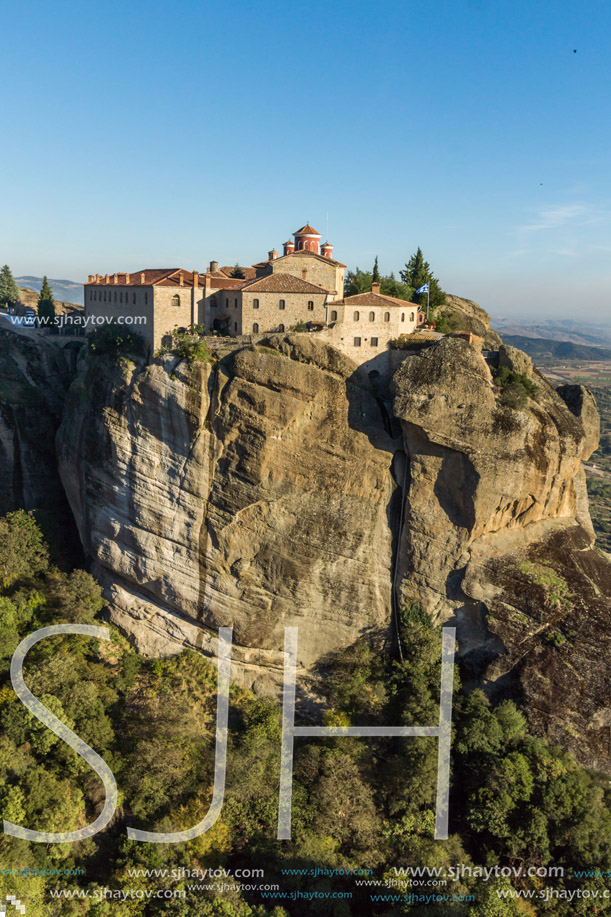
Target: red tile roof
x=281 y=283
x=374 y=299
x=307 y=230
x=162 y=277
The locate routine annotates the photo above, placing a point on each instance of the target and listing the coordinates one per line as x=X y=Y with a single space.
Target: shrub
x=188 y=345
x=114 y=340
x=516 y=388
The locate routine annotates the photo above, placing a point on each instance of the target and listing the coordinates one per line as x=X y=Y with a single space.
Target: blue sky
x=168 y=134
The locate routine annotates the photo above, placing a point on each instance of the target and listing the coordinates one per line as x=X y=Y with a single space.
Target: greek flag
x=423 y=289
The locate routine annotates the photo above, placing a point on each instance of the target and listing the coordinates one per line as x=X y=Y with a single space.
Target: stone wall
x=169 y=316
x=269 y=315
x=327 y=275
x=346 y=329
x=135 y=311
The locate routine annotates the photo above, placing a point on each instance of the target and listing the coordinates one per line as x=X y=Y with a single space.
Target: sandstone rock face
x=496 y=536
x=255 y=493
x=34 y=378
x=467 y=315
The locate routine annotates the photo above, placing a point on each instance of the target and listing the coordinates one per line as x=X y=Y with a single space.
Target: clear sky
x=144 y=134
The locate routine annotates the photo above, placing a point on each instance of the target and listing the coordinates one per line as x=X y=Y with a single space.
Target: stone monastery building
x=303 y=285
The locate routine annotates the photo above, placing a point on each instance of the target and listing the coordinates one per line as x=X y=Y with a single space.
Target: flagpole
x=427 y=301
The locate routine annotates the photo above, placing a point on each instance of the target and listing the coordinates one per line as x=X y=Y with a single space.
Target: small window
x=255 y=328
x=255 y=303
x=310 y=305
x=115 y=295
x=387 y=316
x=146 y=299
x=213 y=302
x=281 y=327
x=403 y=316
x=134 y=299
x=235 y=326
x=357 y=342
x=411 y=316
x=175 y=299
x=104 y=295
x=356 y=316
x=374 y=342
x=121 y=296
x=227 y=303
x=235 y=304
x=334 y=316
x=372 y=316
x=282 y=305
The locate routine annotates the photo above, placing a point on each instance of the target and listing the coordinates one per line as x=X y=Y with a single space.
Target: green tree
x=238 y=272
x=415 y=274
x=23 y=552
x=357 y=281
x=375 y=274
x=9 y=291
x=46 y=306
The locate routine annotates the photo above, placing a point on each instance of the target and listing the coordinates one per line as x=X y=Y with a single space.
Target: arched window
x=387 y=316
x=255 y=328
x=281 y=327
x=372 y=316
x=310 y=305
x=255 y=303
x=356 y=316
x=282 y=305
x=411 y=316
x=175 y=299
x=334 y=316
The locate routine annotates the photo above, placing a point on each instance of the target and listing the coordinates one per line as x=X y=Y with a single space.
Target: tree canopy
x=9 y=291
x=415 y=274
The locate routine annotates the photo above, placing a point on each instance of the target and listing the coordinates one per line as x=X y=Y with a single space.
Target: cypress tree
x=375 y=274
x=46 y=306
x=10 y=294
x=416 y=273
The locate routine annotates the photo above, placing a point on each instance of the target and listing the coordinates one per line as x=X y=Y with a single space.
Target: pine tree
x=375 y=275
x=46 y=306
x=10 y=294
x=238 y=272
x=416 y=273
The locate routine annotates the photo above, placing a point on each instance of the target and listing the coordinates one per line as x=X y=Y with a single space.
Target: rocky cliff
x=497 y=537
x=275 y=486
x=257 y=492
x=34 y=378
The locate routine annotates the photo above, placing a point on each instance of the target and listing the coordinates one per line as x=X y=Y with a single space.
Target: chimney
x=98 y=277
x=91 y=278
x=107 y=278
x=116 y=278
x=271 y=256
x=195 y=278
x=180 y=279
x=127 y=278
x=142 y=276
x=214 y=266
x=304 y=273
x=375 y=287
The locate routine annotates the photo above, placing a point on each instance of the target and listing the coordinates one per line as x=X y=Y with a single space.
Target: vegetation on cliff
x=357 y=803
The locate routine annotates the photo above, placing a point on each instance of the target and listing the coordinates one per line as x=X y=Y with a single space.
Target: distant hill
x=592 y=334
x=29 y=298
x=63 y=290
x=541 y=348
